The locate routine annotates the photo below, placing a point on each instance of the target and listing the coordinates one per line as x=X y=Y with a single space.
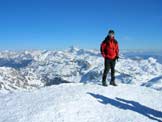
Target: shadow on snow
x=129 y=105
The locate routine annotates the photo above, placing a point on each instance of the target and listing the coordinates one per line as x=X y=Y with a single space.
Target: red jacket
x=109 y=48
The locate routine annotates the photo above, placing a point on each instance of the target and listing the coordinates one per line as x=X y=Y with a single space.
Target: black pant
x=109 y=64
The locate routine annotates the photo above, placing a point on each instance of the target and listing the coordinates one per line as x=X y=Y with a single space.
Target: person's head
x=111 y=33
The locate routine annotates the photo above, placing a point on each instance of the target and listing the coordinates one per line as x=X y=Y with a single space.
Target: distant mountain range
x=32 y=69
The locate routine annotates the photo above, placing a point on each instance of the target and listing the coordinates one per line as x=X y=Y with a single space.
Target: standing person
x=110 y=52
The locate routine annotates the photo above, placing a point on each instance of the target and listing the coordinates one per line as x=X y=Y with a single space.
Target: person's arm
x=117 y=50
x=102 y=48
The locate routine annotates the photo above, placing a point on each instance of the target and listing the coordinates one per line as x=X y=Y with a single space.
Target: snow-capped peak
x=37 y=68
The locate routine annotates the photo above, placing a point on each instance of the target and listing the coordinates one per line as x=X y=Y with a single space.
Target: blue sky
x=58 y=24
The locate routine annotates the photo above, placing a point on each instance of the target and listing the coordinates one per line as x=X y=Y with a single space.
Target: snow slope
x=64 y=86
x=77 y=102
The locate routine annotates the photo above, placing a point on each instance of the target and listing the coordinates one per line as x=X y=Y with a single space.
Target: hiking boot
x=113 y=83
x=104 y=83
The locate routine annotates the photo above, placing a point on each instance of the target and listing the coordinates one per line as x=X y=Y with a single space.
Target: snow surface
x=78 y=102
x=64 y=86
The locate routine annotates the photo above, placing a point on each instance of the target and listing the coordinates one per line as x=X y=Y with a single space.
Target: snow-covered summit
x=30 y=81
x=83 y=103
